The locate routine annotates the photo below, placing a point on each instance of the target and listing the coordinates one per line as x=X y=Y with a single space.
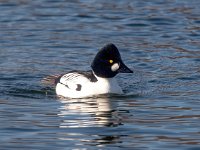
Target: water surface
x=159 y=40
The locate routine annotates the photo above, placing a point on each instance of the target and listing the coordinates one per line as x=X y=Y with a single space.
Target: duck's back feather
x=79 y=84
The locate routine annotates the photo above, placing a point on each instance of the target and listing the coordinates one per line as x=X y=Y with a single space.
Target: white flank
x=88 y=88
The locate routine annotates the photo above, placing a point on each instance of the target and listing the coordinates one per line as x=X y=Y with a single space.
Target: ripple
x=159 y=40
x=137 y=25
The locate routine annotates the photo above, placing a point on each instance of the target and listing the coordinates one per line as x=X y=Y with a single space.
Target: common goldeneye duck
x=100 y=80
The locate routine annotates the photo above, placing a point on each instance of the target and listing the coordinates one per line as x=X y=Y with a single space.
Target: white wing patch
x=78 y=85
x=73 y=80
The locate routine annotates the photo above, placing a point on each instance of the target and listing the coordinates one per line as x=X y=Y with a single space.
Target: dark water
x=159 y=40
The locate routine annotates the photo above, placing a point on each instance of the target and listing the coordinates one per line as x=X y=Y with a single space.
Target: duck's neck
x=108 y=85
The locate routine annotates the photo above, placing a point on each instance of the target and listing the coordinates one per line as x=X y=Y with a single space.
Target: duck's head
x=108 y=63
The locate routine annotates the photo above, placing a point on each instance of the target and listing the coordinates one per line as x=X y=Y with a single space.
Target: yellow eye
x=111 y=61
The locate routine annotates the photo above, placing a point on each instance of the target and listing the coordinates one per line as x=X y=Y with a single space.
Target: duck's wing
x=75 y=80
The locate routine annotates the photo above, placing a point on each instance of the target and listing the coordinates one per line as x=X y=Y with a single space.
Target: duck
x=99 y=80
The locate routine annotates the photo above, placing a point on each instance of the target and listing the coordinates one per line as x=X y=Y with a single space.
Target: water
x=159 y=40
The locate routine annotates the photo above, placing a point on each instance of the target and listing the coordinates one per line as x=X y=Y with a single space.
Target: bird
x=99 y=80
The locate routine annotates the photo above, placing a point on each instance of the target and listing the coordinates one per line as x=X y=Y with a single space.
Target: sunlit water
x=159 y=40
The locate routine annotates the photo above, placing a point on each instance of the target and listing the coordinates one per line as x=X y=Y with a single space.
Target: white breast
x=68 y=86
x=107 y=85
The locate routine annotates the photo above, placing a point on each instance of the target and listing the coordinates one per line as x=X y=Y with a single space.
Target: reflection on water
x=160 y=40
x=131 y=121
x=92 y=116
x=99 y=111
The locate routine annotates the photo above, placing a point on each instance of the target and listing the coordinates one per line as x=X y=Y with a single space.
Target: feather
x=51 y=80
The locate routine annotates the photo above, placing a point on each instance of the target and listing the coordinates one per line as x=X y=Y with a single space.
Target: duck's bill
x=124 y=69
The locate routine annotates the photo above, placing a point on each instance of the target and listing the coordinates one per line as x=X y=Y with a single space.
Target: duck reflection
x=89 y=112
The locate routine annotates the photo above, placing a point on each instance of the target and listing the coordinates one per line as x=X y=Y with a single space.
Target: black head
x=107 y=63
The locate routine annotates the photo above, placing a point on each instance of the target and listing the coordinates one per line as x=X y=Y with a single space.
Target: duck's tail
x=50 y=80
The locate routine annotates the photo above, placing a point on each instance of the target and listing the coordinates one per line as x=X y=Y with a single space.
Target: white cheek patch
x=115 y=67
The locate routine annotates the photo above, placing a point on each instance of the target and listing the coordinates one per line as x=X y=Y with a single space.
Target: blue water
x=159 y=40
